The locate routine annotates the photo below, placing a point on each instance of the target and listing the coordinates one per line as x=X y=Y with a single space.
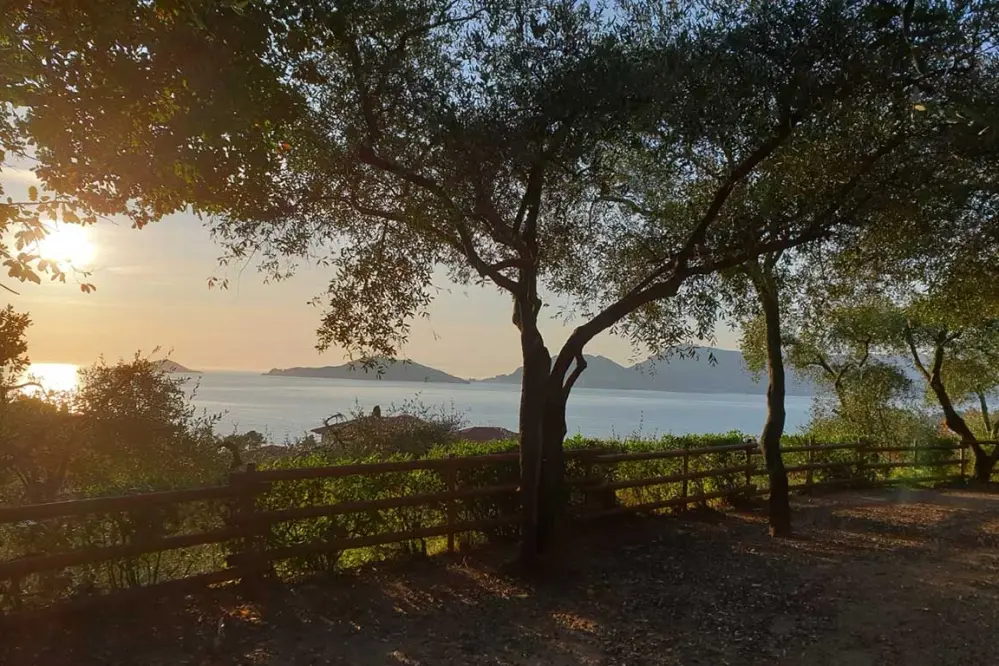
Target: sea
x=286 y=408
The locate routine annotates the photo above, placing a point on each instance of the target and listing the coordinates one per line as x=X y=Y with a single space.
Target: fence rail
x=249 y=521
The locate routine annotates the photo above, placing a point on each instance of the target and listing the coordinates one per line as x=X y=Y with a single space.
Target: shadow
x=704 y=588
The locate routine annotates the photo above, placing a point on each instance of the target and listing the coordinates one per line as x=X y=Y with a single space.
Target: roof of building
x=486 y=434
x=389 y=422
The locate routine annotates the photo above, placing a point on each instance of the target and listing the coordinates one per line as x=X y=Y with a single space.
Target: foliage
x=69 y=533
x=143 y=429
x=128 y=428
x=13 y=348
x=411 y=427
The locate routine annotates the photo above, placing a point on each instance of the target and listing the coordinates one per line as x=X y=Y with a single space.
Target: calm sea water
x=287 y=407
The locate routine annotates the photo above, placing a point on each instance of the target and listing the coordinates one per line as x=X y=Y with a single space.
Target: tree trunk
x=537 y=364
x=553 y=496
x=773 y=429
x=984 y=404
x=984 y=465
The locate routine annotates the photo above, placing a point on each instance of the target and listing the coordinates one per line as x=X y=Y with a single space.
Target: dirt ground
x=873 y=578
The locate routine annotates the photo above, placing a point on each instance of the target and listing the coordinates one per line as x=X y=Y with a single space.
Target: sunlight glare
x=68 y=245
x=57 y=377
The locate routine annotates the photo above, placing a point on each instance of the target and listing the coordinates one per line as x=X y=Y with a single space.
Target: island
x=391 y=371
x=708 y=370
x=166 y=365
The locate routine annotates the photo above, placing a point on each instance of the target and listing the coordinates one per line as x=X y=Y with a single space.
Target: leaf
x=919 y=107
x=33 y=193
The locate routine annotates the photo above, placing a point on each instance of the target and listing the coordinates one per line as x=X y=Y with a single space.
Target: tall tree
x=391 y=138
x=854 y=160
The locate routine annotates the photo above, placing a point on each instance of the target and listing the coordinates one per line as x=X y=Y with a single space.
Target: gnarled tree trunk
x=537 y=369
x=985 y=462
x=554 y=497
x=773 y=429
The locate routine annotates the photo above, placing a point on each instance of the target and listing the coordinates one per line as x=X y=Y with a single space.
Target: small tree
x=142 y=430
x=840 y=346
x=942 y=351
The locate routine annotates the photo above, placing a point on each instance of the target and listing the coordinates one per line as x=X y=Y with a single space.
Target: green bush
x=80 y=532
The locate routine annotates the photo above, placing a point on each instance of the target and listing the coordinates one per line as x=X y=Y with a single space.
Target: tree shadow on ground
x=702 y=589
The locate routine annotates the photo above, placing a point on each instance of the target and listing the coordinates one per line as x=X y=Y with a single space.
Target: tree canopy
x=623 y=156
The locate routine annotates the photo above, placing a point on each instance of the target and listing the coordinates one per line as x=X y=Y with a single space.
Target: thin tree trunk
x=985 y=413
x=984 y=463
x=773 y=429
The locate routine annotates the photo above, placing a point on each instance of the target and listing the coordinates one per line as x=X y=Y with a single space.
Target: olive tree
x=860 y=157
x=503 y=142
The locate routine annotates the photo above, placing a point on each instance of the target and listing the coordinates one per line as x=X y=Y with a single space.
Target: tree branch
x=985 y=413
x=740 y=172
x=820 y=362
x=530 y=204
x=625 y=201
x=938 y=354
x=467 y=247
x=576 y=372
x=910 y=341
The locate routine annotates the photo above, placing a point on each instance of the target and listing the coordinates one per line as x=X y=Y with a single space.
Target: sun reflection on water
x=57 y=377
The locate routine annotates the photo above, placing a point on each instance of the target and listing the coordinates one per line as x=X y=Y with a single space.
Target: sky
x=152 y=291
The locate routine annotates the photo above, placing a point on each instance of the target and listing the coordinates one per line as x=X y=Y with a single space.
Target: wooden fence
x=248 y=520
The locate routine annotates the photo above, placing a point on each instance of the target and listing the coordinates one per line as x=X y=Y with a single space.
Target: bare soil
x=873 y=578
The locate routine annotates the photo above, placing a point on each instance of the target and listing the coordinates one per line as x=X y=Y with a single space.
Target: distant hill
x=680 y=375
x=166 y=365
x=398 y=371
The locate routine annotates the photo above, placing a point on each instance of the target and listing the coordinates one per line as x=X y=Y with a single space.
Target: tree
x=33 y=431
x=971 y=374
x=840 y=345
x=943 y=348
x=846 y=164
x=406 y=136
x=141 y=428
x=64 y=66
x=14 y=361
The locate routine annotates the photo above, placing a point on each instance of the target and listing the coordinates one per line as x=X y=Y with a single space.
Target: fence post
x=749 y=471
x=861 y=458
x=964 y=461
x=684 y=486
x=452 y=487
x=15 y=593
x=251 y=551
x=811 y=461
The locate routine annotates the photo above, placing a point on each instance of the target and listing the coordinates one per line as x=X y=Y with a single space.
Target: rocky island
x=390 y=371
x=166 y=365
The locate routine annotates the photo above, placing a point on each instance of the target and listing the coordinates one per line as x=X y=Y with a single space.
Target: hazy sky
x=152 y=290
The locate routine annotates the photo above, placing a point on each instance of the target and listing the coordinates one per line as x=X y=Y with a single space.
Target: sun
x=68 y=245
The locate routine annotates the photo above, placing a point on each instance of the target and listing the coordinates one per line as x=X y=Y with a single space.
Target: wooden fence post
x=15 y=593
x=452 y=487
x=861 y=458
x=684 y=486
x=251 y=551
x=811 y=461
x=749 y=472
